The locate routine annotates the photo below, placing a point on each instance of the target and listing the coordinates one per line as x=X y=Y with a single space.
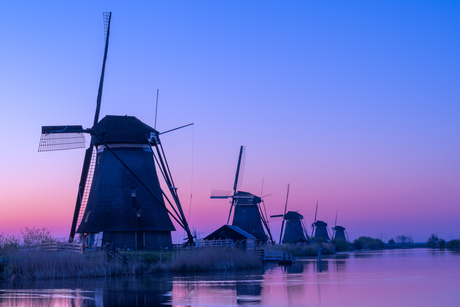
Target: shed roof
x=229 y=232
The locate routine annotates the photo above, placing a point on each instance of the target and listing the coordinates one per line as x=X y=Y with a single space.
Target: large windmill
x=319 y=229
x=295 y=230
x=248 y=213
x=119 y=199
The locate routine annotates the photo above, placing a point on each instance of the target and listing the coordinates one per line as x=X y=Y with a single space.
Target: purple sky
x=355 y=104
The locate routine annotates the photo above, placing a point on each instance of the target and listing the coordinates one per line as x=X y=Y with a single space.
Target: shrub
x=434 y=242
x=33 y=236
x=368 y=243
x=391 y=243
x=453 y=244
x=8 y=243
x=341 y=245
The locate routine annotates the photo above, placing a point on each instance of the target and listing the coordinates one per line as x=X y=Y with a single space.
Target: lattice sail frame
x=55 y=138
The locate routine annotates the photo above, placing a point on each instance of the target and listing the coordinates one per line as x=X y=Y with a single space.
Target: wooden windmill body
x=247 y=212
x=119 y=199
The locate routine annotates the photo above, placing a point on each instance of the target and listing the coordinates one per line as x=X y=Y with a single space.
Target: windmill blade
x=287 y=196
x=221 y=194
x=316 y=211
x=263 y=217
x=156 y=110
x=313 y=225
x=305 y=230
x=335 y=224
x=238 y=170
x=81 y=191
x=262 y=188
x=107 y=18
x=61 y=138
x=282 y=228
x=230 y=212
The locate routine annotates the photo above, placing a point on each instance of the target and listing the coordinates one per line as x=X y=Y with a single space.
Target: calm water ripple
x=413 y=277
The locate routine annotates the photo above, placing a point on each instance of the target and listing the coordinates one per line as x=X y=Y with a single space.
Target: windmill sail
x=247 y=212
x=61 y=138
x=107 y=19
x=292 y=228
x=119 y=198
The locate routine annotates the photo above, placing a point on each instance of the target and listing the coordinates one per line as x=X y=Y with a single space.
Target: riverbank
x=39 y=264
x=33 y=265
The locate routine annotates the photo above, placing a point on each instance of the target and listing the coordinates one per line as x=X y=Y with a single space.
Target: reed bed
x=209 y=259
x=31 y=265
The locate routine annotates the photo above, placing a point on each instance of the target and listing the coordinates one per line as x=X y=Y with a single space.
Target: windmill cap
x=246 y=198
x=320 y=223
x=122 y=129
x=293 y=216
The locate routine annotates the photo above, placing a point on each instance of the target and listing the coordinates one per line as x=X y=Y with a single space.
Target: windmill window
x=87 y=216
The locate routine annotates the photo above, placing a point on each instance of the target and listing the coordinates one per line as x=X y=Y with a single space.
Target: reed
x=31 y=265
x=209 y=259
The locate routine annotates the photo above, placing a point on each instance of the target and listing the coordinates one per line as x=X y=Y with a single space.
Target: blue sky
x=355 y=104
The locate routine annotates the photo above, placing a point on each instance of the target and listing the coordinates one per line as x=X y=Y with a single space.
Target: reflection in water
x=418 y=277
x=141 y=291
x=248 y=293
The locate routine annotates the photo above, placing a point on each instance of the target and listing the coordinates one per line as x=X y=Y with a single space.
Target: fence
x=276 y=256
x=215 y=243
x=62 y=247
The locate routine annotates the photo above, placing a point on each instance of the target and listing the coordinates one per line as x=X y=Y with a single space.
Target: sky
x=355 y=104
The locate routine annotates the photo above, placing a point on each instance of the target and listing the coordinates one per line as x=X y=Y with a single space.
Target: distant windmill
x=295 y=230
x=339 y=231
x=319 y=229
x=119 y=197
x=248 y=213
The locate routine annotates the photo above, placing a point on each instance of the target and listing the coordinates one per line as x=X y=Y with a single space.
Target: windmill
x=248 y=214
x=339 y=231
x=295 y=230
x=319 y=229
x=119 y=198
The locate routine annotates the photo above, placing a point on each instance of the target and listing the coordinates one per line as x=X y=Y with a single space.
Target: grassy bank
x=197 y=260
x=303 y=250
x=32 y=265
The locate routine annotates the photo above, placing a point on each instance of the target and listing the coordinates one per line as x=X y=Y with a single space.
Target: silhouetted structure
x=237 y=235
x=320 y=231
x=119 y=199
x=248 y=214
x=339 y=232
x=294 y=231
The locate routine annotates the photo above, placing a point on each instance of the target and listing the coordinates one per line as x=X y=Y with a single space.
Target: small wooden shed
x=238 y=236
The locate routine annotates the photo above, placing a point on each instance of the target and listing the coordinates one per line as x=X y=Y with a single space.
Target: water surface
x=412 y=277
